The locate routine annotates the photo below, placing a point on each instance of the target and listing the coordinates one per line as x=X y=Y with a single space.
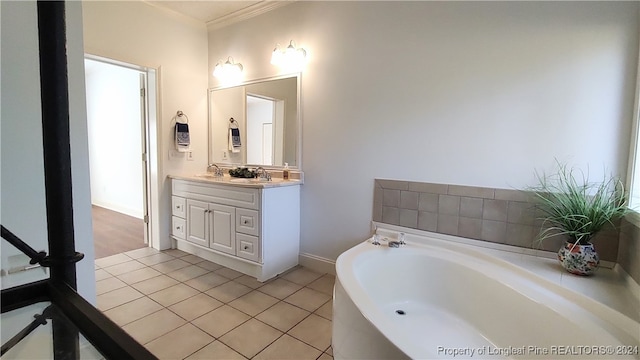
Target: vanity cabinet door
x=198 y=222
x=222 y=228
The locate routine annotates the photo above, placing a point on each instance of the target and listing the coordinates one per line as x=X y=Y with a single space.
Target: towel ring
x=180 y=114
x=233 y=122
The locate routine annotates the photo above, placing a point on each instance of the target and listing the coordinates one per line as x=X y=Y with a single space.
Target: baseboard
x=317 y=263
x=136 y=213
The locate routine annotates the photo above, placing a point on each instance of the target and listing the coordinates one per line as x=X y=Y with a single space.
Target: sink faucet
x=261 y=173
x=213 y=168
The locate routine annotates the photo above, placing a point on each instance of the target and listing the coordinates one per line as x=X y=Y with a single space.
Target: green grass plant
x=572 y=206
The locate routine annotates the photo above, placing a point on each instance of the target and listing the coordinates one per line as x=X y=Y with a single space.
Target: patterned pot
x=579 y=259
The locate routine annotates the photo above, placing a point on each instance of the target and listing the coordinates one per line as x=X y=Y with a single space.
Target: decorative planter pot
x=579 y=259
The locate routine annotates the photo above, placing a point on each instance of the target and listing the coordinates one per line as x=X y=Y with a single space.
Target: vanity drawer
x=178 y=205
x=247 y=221
x=247 y=247
x=178 y=227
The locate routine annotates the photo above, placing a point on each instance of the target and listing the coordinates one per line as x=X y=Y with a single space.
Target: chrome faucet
x=213 y=168
x=399 y=242
x=261 y=173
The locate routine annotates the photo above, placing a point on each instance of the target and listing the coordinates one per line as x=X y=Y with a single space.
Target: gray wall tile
x=494 y=210
x=377 y=211
x=409 y=200
x=471 y=191
x=494 y=231
x=429 y=188
x=428 y=202
x=409 y=218
x=471 y=207
x=377 y=195
x=513 y=195
x=427 y=221
x=391 y=197
x=469 y=228
x=520 y=213
x=448 y=205
x=447 y=224
x=520 y=235
x=390 y=215
x=393 y=184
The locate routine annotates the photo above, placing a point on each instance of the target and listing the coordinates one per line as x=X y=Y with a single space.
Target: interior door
x=197 y=220
x=222 y=230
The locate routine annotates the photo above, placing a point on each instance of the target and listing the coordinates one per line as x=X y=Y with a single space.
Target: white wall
x=23 y=198
x=229 y=103
x=472 y=93
x=139 y=33
x=114 y=122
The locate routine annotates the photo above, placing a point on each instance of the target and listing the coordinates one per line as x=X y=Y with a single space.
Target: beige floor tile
x=207 y=281
x=153 y=326
x=154 y=284
x=228 y=291
x=179 y=343
x=282 y=316
x=228 y=273
x=216 y=351
x=116 y=297
x=140 y=253
x=175 y=252
x=286 y=348
x=329 y=350
x=112 y=260
x=155 y=259
x=314 y=330
x=250 y=338
x=323 y=284
x=249 y=281
x=101 y=275
x=96 y=266
x=187 y=273
x=195 y=307
x=124 y=267
x=220 y=320
x=209 y=265
x=173 y=294
x=192 y=259
x=132 y=311
x=326 y=310
x=171 y=265
x=253 y=303
x=108 y=284
x=280 y=288
x=139 y=275
x=301 y=276
x=308 y=299
x=325 y=356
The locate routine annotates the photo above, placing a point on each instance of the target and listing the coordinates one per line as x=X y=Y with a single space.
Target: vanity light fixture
x=290 y=58
x=229 y=71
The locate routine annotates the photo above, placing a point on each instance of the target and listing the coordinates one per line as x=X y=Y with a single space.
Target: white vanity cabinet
x=254 y=230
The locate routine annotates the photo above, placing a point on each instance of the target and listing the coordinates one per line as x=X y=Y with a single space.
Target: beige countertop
x=226 y=180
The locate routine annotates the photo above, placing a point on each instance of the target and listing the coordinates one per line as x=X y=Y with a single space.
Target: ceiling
x=211 y=10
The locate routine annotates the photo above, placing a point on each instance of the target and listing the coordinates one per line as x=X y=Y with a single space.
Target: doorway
x=265 y=121
x=118 y=137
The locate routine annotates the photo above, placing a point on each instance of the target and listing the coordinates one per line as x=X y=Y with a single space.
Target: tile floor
x=180 y=306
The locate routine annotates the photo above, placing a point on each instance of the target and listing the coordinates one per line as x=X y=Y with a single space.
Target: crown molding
x=246 y=13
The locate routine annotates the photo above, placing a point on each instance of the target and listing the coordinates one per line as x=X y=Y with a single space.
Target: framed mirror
x=256 y=123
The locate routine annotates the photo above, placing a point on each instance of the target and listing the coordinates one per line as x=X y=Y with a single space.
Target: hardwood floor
x=115 y=233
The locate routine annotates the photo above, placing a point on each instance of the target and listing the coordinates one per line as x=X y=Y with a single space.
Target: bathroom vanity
x=247 y=225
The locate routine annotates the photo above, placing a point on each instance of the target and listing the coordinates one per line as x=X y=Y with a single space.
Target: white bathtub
x=461 y=301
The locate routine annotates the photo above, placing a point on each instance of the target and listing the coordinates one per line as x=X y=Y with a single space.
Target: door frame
x=149 y=123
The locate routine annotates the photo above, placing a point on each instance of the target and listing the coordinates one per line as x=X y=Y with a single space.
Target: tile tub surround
x=180 y=306
x=502 y=216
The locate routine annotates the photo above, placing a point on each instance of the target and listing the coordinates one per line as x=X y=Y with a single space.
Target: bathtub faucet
x=397 y=244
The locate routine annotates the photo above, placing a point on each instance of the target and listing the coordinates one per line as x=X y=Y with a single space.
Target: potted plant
x=577 y=209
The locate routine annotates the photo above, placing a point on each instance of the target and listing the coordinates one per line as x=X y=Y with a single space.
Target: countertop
x=226 y=180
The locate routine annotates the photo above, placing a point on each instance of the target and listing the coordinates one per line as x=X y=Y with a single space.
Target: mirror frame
x=298 y=76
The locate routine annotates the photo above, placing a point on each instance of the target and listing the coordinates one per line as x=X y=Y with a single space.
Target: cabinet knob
x=246 y=222
x=178 y=227
x=177 y=206
x=246 y=247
